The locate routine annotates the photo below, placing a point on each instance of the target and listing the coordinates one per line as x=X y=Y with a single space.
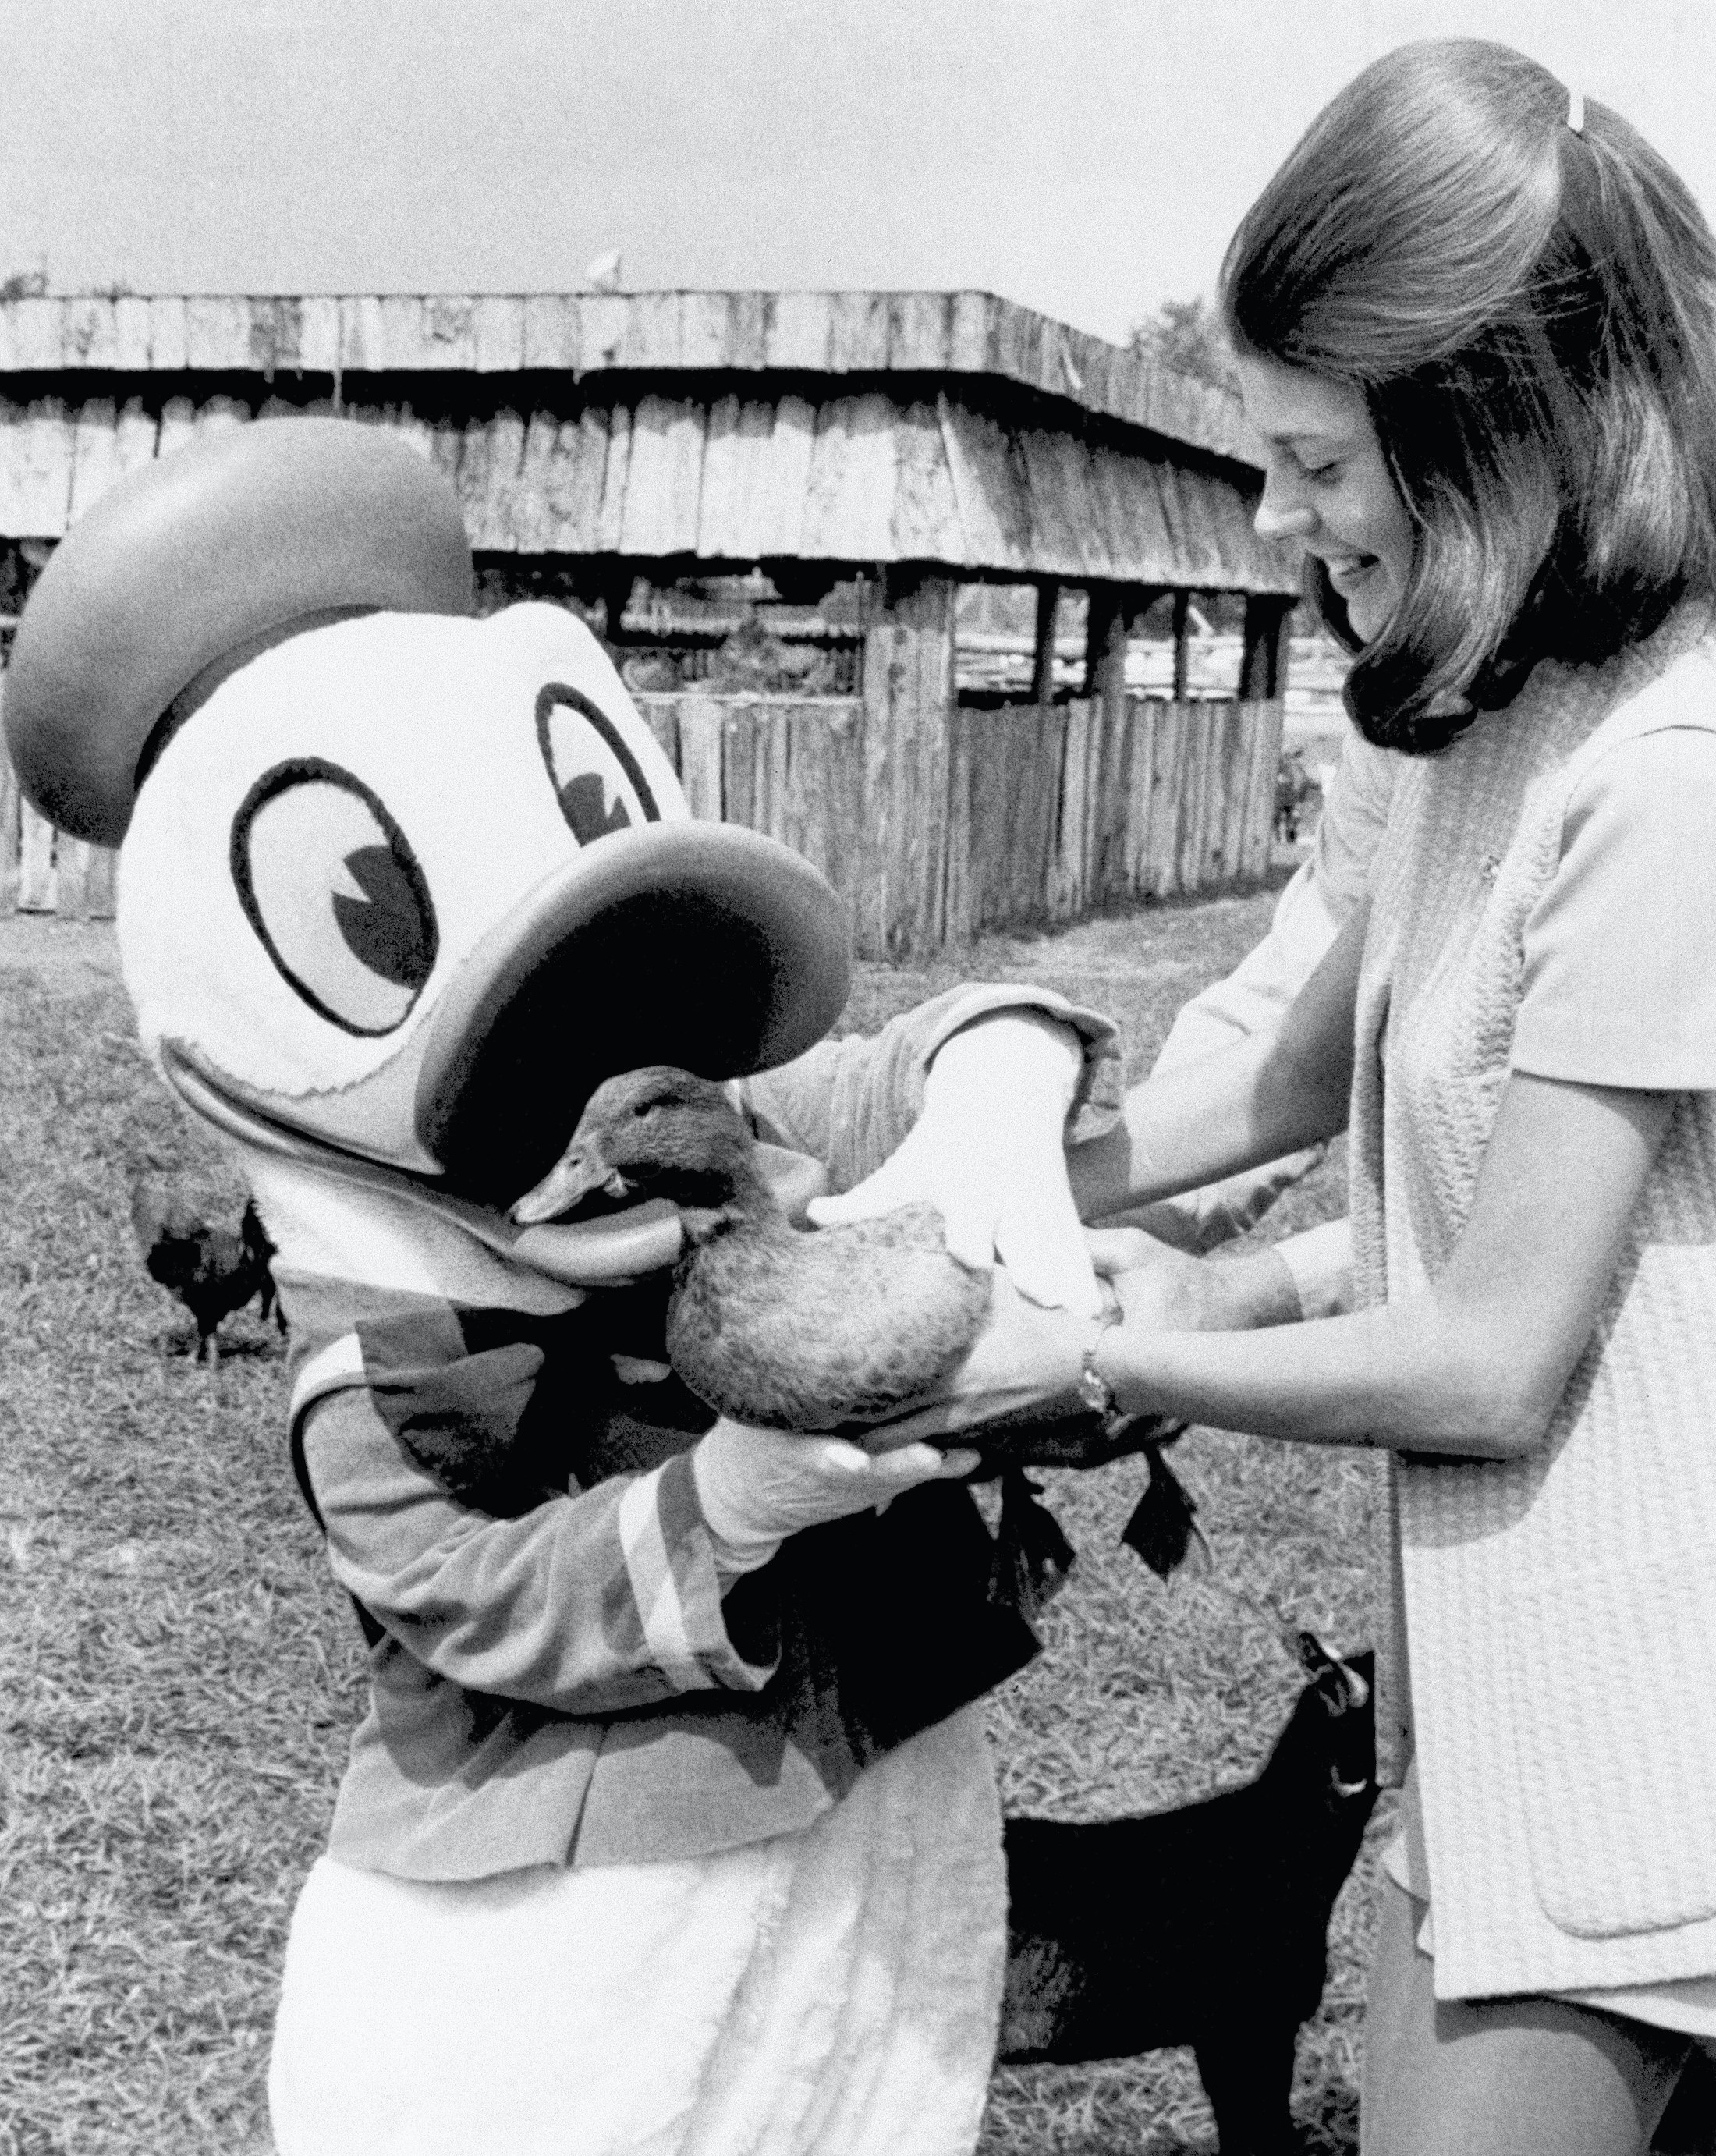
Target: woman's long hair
x=1530 y=313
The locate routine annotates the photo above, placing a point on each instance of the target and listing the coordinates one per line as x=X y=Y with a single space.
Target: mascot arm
x=586 y=1604
x=852 y=1103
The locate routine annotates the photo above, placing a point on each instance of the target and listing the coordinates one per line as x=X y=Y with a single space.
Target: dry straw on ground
x=178 y=1675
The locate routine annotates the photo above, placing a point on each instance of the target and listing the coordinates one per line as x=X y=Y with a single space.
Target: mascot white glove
x=989 y=1153
x=756 y=1487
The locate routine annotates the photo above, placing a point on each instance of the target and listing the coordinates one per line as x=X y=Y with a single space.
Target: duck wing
x=808 y=1331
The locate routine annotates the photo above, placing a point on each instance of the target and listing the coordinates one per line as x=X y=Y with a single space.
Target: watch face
x=1093 y=1390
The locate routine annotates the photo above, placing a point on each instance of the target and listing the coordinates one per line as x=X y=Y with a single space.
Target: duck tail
x=1032 y=1555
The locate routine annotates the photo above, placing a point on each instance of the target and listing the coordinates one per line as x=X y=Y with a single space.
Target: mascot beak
x=701 y=945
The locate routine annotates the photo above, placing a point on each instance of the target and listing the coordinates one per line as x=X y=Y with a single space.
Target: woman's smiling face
x=1327 y=483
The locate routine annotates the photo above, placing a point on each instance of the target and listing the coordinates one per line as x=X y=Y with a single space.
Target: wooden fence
x=933 y=831
x=42 y=871
x=933 y=827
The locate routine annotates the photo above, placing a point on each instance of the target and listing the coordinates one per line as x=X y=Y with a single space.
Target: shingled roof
x=952 y=428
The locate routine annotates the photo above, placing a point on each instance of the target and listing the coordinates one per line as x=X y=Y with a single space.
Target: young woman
x=1476 y=322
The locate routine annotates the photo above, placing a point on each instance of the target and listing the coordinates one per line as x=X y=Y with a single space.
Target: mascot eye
x=330 y=886
x=597 y=781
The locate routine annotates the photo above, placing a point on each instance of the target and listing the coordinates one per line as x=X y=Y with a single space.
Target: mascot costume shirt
x=635 y=1851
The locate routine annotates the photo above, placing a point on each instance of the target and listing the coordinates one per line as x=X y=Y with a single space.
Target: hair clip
x=1576 y=110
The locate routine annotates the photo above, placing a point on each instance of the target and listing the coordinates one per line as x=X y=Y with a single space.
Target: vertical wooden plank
x=849 y=488
x=167 y=335
x=130 y=334
x=1161 y=863
x=1256 y=640
x=1266 y=720
x=1114 y=808
x=134 y=435
x=661 y=714
x=551 y=325
x=1280 y=655
x=991 y=736
x=1108 y=627
x=10 y=836
x=95 y=455
x=702 y=727
x=1067 y=889
x=1194 y=774
x=702 y=329
x=809 y=825
x=908 y=690
x=530 y=518
x=101 y=891
x=843 y=768
x=42 y=479
x=1104 y=642
x=738 y=778
x=1209 y=778
x=774 y=770
x=722 y=456
x=1182 y=657
x=572 y=483
x=497 y=333
x=798 y=336
x=1042 y=664
x=925 y=523
x=960 y=885
x=1253 y=721
x=768 y=516
x=1236 y=741
x=71 y=876
x=617 y=464
x=664 y=477
x=178 y=426
x=35 y=864
x=1263 y=661
x=1140 y=778
x=1218 y=864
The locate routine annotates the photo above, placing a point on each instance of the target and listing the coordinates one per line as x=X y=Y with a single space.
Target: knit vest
x=1560 y=1607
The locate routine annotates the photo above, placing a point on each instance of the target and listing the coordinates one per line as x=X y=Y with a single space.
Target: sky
x=1087 y=157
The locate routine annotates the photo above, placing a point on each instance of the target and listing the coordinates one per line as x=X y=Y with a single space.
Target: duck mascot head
x=398 y=886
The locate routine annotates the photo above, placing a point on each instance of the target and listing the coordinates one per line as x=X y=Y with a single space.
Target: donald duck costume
x=670 y=1826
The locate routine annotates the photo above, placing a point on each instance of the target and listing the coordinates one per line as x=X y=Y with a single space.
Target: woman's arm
x=1238 y=1107
x=1474 y=1363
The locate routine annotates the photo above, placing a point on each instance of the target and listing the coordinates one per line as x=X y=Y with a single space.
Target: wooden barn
x=767 y=502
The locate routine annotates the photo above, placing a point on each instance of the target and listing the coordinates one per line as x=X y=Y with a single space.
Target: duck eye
x=330 y=886
x=597 y=781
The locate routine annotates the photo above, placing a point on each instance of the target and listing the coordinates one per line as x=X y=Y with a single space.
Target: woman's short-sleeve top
x=1543 y=902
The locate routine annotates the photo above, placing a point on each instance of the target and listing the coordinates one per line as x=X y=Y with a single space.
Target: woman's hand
x=1027 y=1356
x=1157 y=1286
x=989 y=1153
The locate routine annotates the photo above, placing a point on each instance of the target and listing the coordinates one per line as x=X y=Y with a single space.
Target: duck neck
x=748 y=1201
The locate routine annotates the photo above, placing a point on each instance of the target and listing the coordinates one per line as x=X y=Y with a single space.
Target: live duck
x=775 y=1325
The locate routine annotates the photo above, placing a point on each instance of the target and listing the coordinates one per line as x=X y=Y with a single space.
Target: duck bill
x=581 y=1173
x=703 y=945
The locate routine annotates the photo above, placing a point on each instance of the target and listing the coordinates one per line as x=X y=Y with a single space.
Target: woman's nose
x=1282 y=514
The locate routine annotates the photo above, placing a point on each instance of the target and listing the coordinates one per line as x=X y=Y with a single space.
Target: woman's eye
x=330 y=886
x=1326 y=472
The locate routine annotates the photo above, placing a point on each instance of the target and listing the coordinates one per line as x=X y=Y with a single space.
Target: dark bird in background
x=775 y=1325
x=213 y=1271
x=1206 y=1926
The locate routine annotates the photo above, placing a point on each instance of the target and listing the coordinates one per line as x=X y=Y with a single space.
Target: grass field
x=178 y=1676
